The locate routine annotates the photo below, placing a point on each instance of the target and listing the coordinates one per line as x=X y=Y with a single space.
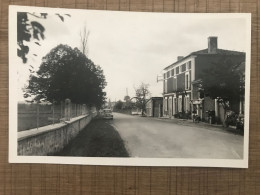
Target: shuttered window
x=189 y=65
x=168 y=74
x=183 y=67
x=177 y=70
x=172 y=71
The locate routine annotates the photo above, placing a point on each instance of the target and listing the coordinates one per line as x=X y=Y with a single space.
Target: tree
x=142 y=92
x=118 y=105
x=30 y=30
x=84 y=34
x=224 y=81
x=67 y=73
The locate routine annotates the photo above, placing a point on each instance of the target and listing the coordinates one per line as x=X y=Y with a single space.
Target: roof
x=155 y=98
x=205 y=52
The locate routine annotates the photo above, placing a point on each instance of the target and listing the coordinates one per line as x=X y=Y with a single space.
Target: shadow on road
x=98 y=139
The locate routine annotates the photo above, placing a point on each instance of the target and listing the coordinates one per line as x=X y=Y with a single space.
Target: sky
x=133 y=47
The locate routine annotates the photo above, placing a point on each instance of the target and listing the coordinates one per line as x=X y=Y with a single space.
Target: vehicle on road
x=107 y=114
x=136 y=112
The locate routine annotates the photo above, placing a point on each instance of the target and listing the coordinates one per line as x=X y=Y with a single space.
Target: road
x=150 y=137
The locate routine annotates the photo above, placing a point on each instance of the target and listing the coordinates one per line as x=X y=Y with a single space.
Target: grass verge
x=98 y=139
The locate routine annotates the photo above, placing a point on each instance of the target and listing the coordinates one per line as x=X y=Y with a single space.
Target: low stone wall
x=52 y=138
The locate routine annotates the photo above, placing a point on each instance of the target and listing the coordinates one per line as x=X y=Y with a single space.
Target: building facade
x=181 y=81
x=154 y=107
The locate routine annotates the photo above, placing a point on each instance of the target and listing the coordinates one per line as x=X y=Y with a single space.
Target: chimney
x=179 y=58
x=212 y=45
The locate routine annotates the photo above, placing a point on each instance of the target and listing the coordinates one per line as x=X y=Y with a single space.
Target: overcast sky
x=134 y=47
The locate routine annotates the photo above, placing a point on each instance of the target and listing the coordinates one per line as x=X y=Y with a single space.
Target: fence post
x=53 y=112
x=67 y=109
x=81 y=111
x=37 y=114
x=61 y=110
x=84 y=109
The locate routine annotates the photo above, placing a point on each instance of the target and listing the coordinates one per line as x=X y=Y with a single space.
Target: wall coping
x=41 y=130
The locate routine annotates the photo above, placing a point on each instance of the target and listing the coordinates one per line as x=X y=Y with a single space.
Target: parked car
x=136 y=112
x=107 y=114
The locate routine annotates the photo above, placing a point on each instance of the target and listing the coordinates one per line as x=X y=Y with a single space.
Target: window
x=180 y=104
x=189 y=65
x=165 y=86
x=187 y=103
x=177 y=70
x=168 y=74
x=187 y=80
x=173 y=106
x=172 y=71
x=183 y=67
x=165 y=104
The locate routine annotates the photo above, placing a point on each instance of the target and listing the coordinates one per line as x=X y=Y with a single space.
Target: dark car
x=107 y=114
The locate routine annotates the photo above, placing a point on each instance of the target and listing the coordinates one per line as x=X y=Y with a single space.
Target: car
x=107 y=114
x=136 y=112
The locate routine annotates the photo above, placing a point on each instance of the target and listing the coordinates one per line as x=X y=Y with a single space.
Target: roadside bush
x=176 y=116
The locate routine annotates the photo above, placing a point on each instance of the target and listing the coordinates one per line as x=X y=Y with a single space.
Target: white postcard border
x=191 y=162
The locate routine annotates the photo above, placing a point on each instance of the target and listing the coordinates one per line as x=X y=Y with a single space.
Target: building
x=181 y=88
x=154 y=107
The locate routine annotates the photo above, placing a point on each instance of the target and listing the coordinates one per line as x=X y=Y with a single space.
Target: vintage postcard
x=128 y=88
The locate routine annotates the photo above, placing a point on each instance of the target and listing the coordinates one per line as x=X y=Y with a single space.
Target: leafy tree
x=67 y=73
x=142 y=92
x=224 y=81
x=30 y=31
x=118 y=105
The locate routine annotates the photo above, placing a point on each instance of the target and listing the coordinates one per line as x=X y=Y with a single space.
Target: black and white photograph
x=96 y=87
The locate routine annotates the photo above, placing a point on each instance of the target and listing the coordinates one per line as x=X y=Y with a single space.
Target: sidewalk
x=189 y=122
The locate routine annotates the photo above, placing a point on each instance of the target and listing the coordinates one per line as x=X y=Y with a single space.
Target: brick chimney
x=179 y=58
x=212 y=44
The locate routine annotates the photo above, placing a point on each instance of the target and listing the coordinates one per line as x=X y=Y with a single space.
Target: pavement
x=153 y=137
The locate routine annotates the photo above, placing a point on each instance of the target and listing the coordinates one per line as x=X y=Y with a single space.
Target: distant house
x=154 y=107
x=181 y=93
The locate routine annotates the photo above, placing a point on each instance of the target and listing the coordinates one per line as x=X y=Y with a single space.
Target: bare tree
x=142 y=94
x=84 y=34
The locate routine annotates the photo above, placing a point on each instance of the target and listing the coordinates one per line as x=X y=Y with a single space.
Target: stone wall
x=52 y=138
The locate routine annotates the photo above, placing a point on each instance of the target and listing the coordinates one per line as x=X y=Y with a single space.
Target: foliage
x=142 y=93
x=30 y=30
x=118 y=105
x=224 y=81
x=67 y=73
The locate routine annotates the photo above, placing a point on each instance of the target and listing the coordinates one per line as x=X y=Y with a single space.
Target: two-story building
x=181 y=87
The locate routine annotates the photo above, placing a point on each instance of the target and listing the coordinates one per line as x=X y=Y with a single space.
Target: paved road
x=147 y=137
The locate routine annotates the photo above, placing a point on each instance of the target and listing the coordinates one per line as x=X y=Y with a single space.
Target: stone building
x=181 y=93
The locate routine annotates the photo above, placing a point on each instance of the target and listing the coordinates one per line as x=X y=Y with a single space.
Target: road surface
x=150 y=137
